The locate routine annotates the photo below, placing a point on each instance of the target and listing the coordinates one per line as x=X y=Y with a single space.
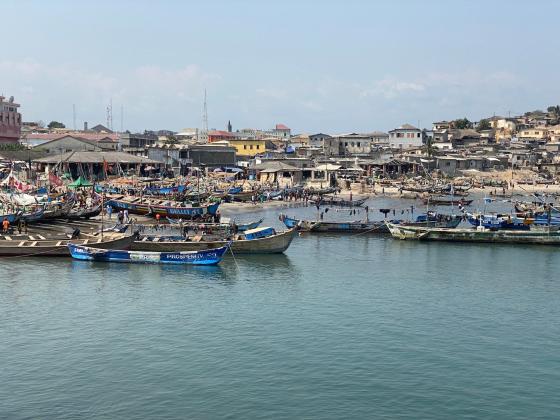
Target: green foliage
x=13 y=147
x=484 y=125
x=56 y=124
x=462 y=124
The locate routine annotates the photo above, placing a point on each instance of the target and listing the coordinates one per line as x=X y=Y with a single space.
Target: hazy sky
x=331 y=66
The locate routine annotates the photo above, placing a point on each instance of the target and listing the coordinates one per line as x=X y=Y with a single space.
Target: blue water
x=339 y=327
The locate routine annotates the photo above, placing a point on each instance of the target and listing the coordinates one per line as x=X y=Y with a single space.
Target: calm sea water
x=339 y=327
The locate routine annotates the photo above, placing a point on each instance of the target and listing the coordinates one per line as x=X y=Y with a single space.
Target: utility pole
x=74 y=117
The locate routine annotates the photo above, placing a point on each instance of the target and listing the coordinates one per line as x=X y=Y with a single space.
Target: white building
x=405 y=137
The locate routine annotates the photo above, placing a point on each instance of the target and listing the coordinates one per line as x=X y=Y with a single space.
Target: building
x=136 y=143
x=533 y=135
x=10 y=121
x=379 y=139
x=348 y=144
x=318 y=140
x=96 y=165
x=281 y=132
x=219 y=135
x=464 y=137
x=554 y=133
x=250 y=147
x=181 y=157
x=71 y=143
x=405 y=137
x=441 y=125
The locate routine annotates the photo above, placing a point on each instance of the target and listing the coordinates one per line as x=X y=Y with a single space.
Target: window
x=358 y=144
x=251 y=147
x=258 y=146
x=245 y=147
x=418 y=135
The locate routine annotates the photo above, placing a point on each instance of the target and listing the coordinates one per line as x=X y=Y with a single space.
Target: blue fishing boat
x=34 y=216
x=202 y=257
x=498 y=221
x=235 y=190
x=174 y=211
x=12 y=217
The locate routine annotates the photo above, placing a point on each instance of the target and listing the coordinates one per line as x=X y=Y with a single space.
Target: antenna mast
x=110 y=115
x=205 y=115
x=74 y=116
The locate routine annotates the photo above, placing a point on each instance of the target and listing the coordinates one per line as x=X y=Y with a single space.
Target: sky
x=316 y=66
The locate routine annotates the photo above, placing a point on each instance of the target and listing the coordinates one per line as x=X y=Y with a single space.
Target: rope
x=234 y=260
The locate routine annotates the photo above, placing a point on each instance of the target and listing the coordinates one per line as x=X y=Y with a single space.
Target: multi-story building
x=182 y=156
x=405 y=137
x=10 y=121
x=348 y=145
x=281 y=132
x=136 y=144
x=533 y=135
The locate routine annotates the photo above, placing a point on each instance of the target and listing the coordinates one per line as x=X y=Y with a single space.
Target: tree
x=429 y=148
x=484 y=125
x=462 y=124
x=56 y=124
x=554 y=109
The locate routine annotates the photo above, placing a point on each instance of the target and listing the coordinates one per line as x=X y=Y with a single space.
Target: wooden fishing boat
x=336 y=201
x=444 y=202
x=243 y=196
x=163 y=208
x=25 y=246
x=57 y=209
x=542 y=236
x=34 y=216
x=334 y=227
x=84 y=212
x=434 y=220
x=224 y=224
x=275 y=243
x=203 y=257
x=12 y=217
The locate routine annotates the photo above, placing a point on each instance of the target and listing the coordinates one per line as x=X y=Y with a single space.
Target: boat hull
x=145 y=209
x=59 y=248
x=204 y=257
x=532 y=237
x=275 y=244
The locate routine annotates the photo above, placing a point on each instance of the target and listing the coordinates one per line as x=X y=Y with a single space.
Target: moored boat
x=334 y=227
x=35 y=246
x=164 y=209
x=263 y=240
x=540 y=236
x=204 y=257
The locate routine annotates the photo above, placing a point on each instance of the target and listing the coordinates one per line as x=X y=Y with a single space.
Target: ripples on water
x=338 y=327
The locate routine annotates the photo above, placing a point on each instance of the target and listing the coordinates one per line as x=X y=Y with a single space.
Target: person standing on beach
x=109 y=211
x=5 y=225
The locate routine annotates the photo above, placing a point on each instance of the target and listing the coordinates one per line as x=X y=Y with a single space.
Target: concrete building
x=282 y=132
x=10 y=121
x=379 y=139
x=181 y=157
x=348 y=145
x=318 y=140
x=137 y=144
x=405 y=137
